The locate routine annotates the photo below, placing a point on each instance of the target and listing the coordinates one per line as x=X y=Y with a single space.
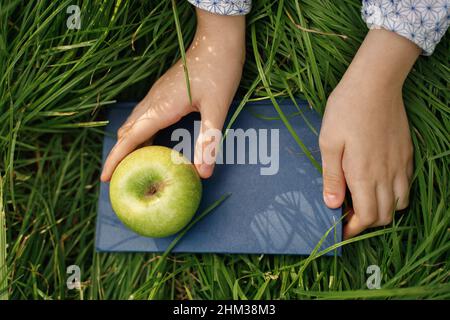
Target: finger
x=385 y=203
x=208 y=141
x=410 y=170
x=143 y=128
x=149 y=141
x=126 y=126
x=333 y=175
x=401 y=191
x=137 y=112
x=365 y=209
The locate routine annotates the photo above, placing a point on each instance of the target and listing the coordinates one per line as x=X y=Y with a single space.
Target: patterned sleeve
x=424 y=22
x=224 y=7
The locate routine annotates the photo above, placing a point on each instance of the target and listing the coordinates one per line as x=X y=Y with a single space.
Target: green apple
x=155 y=191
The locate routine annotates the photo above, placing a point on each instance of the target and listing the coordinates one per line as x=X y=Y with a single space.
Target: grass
x=55 y=83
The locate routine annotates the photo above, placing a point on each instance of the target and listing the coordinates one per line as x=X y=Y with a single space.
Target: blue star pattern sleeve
x=424 y=22
x=224 y=7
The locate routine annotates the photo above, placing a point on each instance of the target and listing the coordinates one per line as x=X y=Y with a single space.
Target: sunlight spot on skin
x=204 y=38
x=208 y=125
x=213 y=84
x=210 y=49
x=197 y=59
x=147 y=114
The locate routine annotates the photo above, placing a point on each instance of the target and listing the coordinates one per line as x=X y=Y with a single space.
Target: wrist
x=383 y=60
x=229 y=29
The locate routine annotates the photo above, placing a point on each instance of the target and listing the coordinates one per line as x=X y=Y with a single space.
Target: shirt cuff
x=224 y=7
x=423 y=22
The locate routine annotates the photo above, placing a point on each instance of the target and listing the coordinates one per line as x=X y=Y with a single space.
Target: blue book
x=275 y=204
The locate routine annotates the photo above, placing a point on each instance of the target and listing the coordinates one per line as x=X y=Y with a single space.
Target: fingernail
x=330 y=197
x=205 y=170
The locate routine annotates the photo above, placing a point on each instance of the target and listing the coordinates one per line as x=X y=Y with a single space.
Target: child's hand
x=215 y=60
x=365 y=140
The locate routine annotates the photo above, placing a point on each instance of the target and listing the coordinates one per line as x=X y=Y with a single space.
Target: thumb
x=209 y=138
x=333 y=175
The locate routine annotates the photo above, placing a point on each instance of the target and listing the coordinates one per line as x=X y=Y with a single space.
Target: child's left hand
x=365 y=140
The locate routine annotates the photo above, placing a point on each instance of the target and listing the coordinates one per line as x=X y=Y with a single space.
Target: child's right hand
x=215 y=60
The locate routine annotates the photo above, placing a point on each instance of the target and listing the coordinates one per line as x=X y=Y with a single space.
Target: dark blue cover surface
x=273 y=214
